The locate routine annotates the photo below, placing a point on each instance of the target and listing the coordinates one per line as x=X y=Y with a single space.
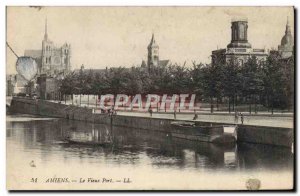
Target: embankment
x=246 y=133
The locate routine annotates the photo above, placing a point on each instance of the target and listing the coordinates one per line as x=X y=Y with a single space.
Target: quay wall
x=246 y=133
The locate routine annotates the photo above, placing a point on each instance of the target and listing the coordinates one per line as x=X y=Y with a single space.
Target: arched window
x=242 y=31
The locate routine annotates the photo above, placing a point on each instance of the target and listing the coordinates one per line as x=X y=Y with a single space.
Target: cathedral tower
x=47 y=47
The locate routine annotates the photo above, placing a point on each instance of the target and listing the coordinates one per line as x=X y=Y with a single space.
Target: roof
x=88 y=70
x=33 y=53
x=164 y=62
x=287 y=39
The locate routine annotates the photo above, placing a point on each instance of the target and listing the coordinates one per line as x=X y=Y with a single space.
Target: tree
x=274 y=82
x=252 y=80
x=232 y=82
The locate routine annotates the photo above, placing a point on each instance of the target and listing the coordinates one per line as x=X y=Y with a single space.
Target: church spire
x=152 y=42
x=152 y=39
x=153 y=53
x=46 y=33
x=288 y=27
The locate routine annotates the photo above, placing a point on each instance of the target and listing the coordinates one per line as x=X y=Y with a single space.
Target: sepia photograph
x=150 y=98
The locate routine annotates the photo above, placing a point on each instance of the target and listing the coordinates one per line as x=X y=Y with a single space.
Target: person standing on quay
x=195 y=117
x=175 y=114
x=150 y=111
x=236 y=117
x=242 y=117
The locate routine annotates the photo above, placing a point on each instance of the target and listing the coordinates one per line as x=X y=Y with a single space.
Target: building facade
x=16 y=83
x=53 y=63
x=51 y=60
x=48 y=87
x=10 y=84
x=239 y=49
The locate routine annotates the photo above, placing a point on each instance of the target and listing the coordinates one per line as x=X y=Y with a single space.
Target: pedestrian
x=195 y=117
x=242 y=118
x=175 y=114
x=150 y=111
x=236 y=117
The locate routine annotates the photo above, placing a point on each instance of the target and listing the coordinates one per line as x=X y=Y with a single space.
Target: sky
x=118 y=36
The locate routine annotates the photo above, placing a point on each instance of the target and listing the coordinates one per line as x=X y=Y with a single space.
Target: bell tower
x=153 y=53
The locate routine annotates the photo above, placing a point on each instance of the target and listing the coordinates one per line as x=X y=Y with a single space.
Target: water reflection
x=67 y=139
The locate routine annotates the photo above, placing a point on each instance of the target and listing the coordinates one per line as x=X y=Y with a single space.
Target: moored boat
x=89 y=138
x=213 y=133
x=74 y=141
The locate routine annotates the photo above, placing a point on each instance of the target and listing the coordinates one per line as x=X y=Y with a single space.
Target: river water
x=122 y=158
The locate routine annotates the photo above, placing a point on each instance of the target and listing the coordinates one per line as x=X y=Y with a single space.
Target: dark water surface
x=60 y=140
x=119 y=145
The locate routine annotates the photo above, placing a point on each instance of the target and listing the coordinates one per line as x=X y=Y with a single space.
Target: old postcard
x=150 y=98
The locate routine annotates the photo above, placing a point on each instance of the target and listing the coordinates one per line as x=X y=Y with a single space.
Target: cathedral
x=239 y=49
x=51 y=60
x=286 y=48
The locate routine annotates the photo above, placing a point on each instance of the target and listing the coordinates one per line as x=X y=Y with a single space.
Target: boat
x=93 y=143
x=94 y=137
x=209 y=133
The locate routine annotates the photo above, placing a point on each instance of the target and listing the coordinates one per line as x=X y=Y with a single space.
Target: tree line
x=269 y=84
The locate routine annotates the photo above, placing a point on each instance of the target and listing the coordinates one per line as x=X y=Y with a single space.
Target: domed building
x=239 y=49
x=286 y=47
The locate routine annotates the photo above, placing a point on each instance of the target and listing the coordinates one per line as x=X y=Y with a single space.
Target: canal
x=46 y=147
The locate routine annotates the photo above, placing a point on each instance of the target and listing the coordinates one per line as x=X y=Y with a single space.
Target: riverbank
x=255 y=133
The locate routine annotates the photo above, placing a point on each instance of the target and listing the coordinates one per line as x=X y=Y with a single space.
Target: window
x=240 y=62
x=241 y=31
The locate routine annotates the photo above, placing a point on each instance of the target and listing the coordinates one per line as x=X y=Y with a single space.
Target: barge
x=221 y=134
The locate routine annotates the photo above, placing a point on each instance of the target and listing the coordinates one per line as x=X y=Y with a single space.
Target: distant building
x=286 y=48
x=239 y=49
x=10 y=84
x=50 y=59
x=153 y=56
x=16 y=83
x=53 y=63
x=48 y=87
